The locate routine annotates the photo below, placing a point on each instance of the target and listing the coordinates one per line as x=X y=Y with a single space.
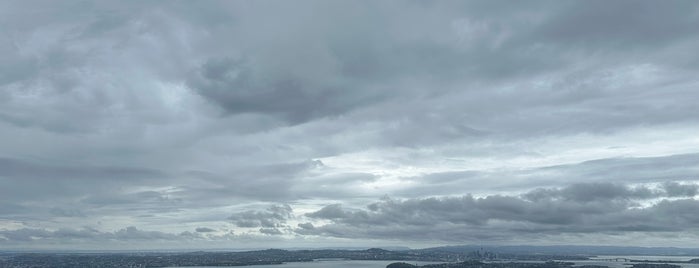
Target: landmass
x=259 y=257
x=444 y=257
x=548 y=264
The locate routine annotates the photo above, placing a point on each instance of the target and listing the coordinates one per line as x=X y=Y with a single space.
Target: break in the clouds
x=229 y=124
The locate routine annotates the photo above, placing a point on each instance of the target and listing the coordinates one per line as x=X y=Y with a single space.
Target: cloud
x=270 y=231
x=204 y=230
x=580 y=209
x=274 y=216
x=66 y=212
x=599 y=23
x=677 y=189
x=22 y=169
x=74 y=188
x=176 y=117
x=89 y=235
x=306 y=225
x=268 y=182
x=333 y=211
x=233 y=85
x=129 y=233
x=133 y=233
x=591 y=176
x=589 y=192
x=334 y=73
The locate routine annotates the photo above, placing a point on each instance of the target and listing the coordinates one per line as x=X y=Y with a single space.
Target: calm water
x=661 y=258
x=328 y=264
x=600 y=260
x=381 y=264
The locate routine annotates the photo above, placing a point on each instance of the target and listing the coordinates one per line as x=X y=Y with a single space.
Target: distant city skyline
x=301 y=124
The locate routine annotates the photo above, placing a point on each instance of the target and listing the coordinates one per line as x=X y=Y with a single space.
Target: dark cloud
x=677 y=189
x=66 y=212
x=306 y=226
x=27 y=170
x=621 y=25
x=589 y=192
x=237 y=88
x=580 y=208
x=22 y=180
x=204 y=230
x=333 y=211
x=448 y=48
x=274 y=216
x=486 y=120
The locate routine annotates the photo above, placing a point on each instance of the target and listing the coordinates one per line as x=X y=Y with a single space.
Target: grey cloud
x=634 y=169
x=558 y=211
x=333 y=211
x=624 y=24
x=66 y=212
x=133 y=233
x=168 y=114
x=306 y=225
x=22 y=69
x=130 y=233
x=236 y=87
x=269 y=182
x=285 y=67
x=332 y=185
x=270 y=231
x=589 y=192
x=145 y=201
x=12 y=209
x=363 y=52
x=681 y=212
x=24 y=234
x=78 y=191
x=17 y=168
x=274 y=216
x=596 y=173
x=204 y=230
x=22 y=180
x=353 y=68
x=588 y=101
x=64 y=76
x=677 y=189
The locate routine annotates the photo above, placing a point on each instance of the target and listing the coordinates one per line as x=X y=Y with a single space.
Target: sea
x=613 y=261
x=327 y=264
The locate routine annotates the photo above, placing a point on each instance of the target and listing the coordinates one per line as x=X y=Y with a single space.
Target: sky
x=288 y=124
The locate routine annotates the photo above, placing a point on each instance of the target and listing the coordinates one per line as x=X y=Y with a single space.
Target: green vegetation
x=400 y=265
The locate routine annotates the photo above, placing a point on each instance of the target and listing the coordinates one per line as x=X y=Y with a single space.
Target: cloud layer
x=532 y=122
x=596 y=208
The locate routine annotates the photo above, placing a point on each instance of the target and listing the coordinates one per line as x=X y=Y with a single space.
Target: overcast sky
x=241 y=124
